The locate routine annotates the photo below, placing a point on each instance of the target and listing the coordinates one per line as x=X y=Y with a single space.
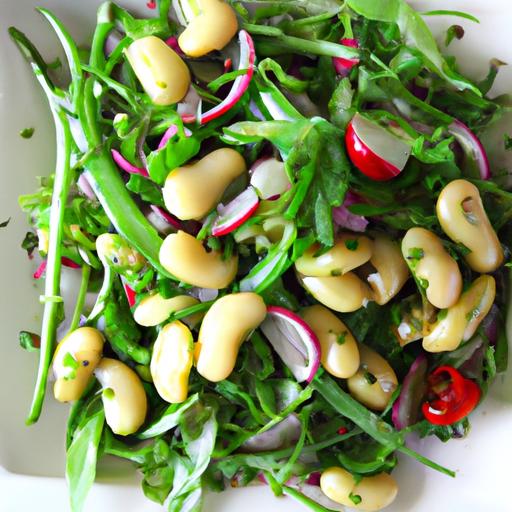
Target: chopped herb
x=369 y=377
x=453 y=32
x=415 y=253
x=27 y=133
x=352 y=244
x=5 y=223
x=507 y=142
x=442 y=314
x=336 y=272
x=340 y=337
x=355 y=498
x=71 y=364
x=29 y=341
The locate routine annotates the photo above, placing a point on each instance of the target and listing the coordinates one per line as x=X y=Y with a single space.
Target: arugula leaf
x=178 y=150
x=415 y=31
x=168 y=419
x=199 y=431
x=29 y=341
x=146 y=189
x=81 y=459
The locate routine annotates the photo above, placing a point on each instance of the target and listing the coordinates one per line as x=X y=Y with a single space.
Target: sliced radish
x=240 y=85
x=269 y=178
x=189 y=107
x=236 y=212
x=472 y=147
x=166 y=216
x=294 y=341
x=126 y=166
x=129 y=292
x=375 y=151
x=171 y=132
x=341 y=65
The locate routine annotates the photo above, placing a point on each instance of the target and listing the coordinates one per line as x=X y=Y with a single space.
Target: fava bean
x=391 y=270
x=436 y=271
x=185 y=257
x=75 y=358
x=375 y=381
x=462 y=216
x=171 y=362
x=373 y=492
x=340 y=355
x=344 y=293
x=224 y=328
x=160 y=70
x=123 y=396
x=460 y=322
x=154 y=309
x=211 y=29
x=349 y=252
x=192 y=191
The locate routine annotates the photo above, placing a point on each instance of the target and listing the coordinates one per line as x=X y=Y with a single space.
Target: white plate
x=29 y=455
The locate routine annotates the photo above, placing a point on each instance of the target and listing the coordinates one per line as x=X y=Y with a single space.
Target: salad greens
x=315 y=64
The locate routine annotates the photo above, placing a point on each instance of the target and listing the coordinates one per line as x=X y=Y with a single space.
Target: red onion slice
x=407 y=406
x=344 y=218
x=285 y=433
x=294 y=341
x=167 y=217
x=126 y=166
x=236 y=212
x=472 y=147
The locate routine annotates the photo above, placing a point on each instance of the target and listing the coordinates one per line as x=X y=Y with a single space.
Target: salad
x=293 y=250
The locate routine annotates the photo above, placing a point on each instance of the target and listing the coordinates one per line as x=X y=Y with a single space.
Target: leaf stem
x=52 y=282
x=80 y=300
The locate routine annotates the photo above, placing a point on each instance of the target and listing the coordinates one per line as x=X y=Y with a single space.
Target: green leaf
x=413 y=30
x=453 y=32
x=81 y=460
x=27 y=133
x=168 y=419
x=146 y=189
x=199 y=431
x=460 y=14
x=29 y=341
x=178 y=150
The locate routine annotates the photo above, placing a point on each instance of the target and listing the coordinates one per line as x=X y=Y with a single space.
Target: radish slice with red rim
x=236 y=212
x=269 y=178
x=472 y=148
x=129 y=292
x=374 y=150
x=341 y=65
x=294 y=341
x=240 y=85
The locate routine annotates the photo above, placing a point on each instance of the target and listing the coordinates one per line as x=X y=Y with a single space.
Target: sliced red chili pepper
x=454 y=396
